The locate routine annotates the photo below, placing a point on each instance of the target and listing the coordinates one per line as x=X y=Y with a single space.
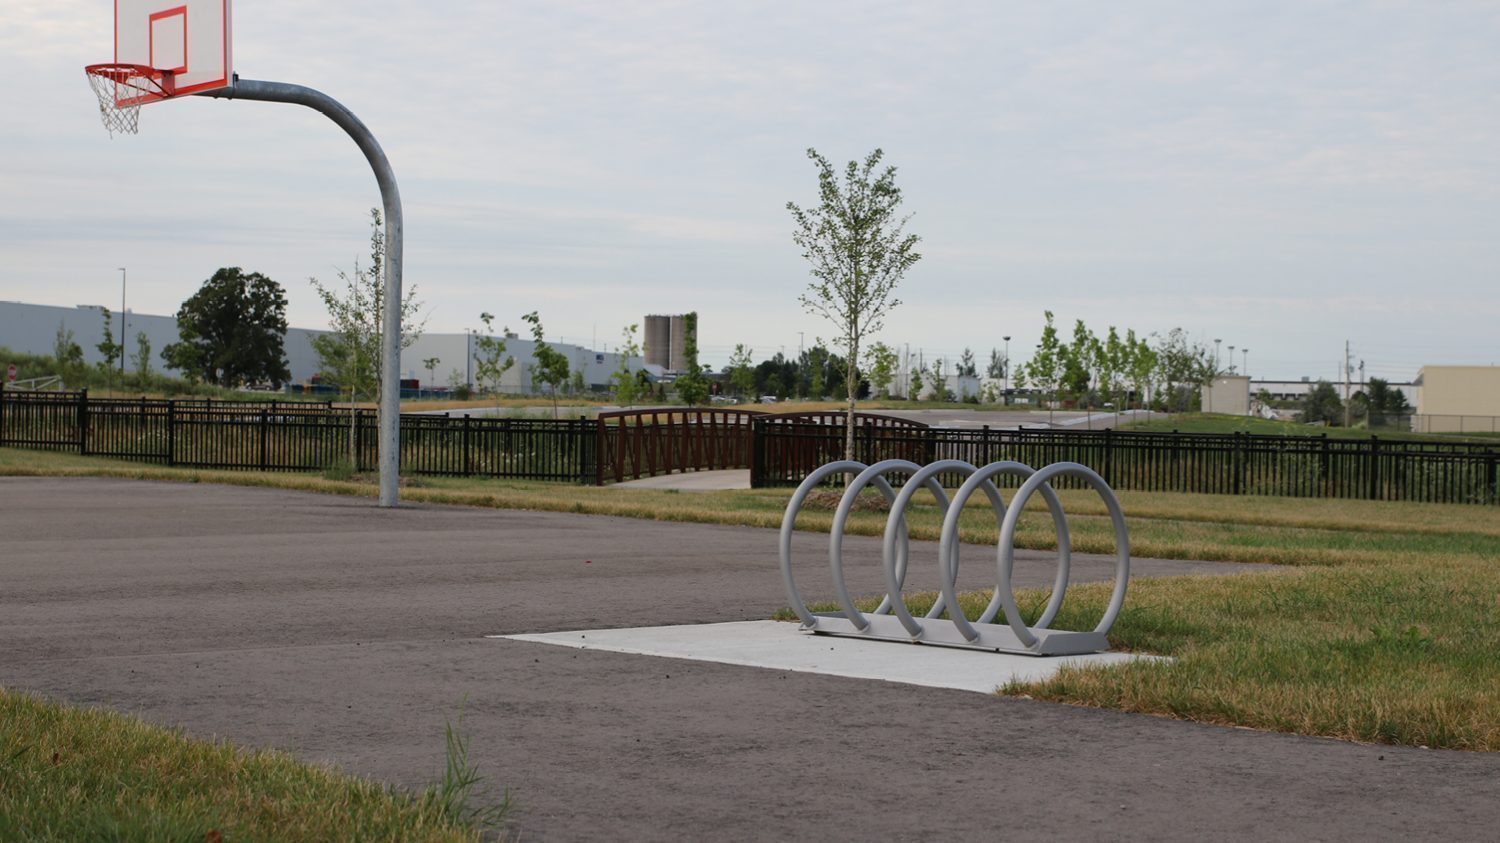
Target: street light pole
x=122 y=322
x=1231 y=359
x=1246 y=353
x=1005 y=375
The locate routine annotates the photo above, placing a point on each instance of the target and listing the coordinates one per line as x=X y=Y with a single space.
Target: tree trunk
x=851 y=385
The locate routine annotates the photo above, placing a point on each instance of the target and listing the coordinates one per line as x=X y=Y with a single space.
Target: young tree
x=1110 y=358
x=67 y=353
x=141 y=359
x=232 y=331
x=1140 y=363
x=915 y=393
x=741 y=372
x=998 y=364
x=966 y=365
x=1078 y=361
x=111 y=350
x=431 y=364
x=1046 y=366
x=883 y=363
x=625 y=383
x=551 y=365
x=1181 y=367
x=490 y=360
x=691 y=386
x=858 y=250
x=349 y=354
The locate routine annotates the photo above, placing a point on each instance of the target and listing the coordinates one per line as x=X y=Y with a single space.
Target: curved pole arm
x=390 y=197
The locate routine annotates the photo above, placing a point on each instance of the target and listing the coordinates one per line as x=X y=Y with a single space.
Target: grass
x=1381 y=624
x=1219 y=423
x=89 y=774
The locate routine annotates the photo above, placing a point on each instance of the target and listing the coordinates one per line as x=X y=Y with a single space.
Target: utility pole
x=1347 y=370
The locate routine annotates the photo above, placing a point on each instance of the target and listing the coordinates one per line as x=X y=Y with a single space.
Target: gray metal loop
x=893 y=621
x=948 y=553
x=793 y=507
x=895 y=524
x=1008 y=547
x=874 y=474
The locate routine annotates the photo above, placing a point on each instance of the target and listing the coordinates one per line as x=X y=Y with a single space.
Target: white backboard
x=190 y=38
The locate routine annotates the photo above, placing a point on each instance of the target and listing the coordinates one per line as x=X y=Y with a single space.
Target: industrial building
x=1458 y=399
x=33 y=329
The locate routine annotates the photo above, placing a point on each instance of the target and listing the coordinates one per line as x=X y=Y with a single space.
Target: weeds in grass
x=456 y=795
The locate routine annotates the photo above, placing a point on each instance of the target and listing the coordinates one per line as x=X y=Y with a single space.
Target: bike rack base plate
x=996 y=638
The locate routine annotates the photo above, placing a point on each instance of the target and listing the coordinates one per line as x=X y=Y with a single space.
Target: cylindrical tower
x=658 y=341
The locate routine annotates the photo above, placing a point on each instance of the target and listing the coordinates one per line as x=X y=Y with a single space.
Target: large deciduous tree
x=232 y=331
x=858 y=249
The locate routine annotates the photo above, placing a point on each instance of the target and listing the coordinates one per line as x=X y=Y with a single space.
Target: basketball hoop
x=121 y=88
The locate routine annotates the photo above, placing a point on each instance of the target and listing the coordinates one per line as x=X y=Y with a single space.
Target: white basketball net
x=121 y=89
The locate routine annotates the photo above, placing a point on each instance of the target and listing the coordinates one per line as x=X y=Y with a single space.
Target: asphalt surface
x=348 y=635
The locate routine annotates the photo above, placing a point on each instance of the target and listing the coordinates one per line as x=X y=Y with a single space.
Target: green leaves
x=232 y=331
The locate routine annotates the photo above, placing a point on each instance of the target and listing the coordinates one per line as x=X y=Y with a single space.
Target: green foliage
x=1046 y=367
x=140 y=361
x=966 y=366
x=1078 y=361
x=455 y=796
x=490 y=360
x=883 y=363
x=112 y=351
x=741 y=372
x=1182 y=367
x=431 y=364
x=691 y=386
x=858 y=251
x=626 y=384
x=232 y=331
x=349 y=354
x=551 y=367
x=1322 y=404
x=998 y=364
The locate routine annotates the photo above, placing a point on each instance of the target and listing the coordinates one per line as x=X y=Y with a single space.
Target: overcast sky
x=1282 y=176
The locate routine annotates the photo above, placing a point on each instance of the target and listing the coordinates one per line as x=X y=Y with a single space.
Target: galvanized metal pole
x=390 y=197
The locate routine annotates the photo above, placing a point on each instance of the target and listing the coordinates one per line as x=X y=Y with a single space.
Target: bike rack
x=892 y=621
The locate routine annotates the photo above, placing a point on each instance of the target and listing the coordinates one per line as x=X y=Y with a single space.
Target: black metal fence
x=779 y=450
x=293 y=436
x=1229 y=464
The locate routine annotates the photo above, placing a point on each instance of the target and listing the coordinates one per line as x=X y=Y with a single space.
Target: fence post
x=265 y=423
x=2 y=412
x=83 y=422
x=1494 y=475
x=171 y=432
x=1374 y=468
x=1109 y=455
x=1324 y=469
x=599 y=434
x=468 y=462
x=1239 y=462
x=757 y=454
x=359 y=440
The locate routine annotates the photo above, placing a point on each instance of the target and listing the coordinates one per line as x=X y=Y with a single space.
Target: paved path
x=348 y=634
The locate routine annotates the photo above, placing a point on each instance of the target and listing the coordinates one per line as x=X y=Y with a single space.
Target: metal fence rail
x=1229 y=464
x=294 y=436
x=779 y=450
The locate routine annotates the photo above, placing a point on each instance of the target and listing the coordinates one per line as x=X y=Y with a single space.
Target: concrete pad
x=783 y=646
x=694 y=481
